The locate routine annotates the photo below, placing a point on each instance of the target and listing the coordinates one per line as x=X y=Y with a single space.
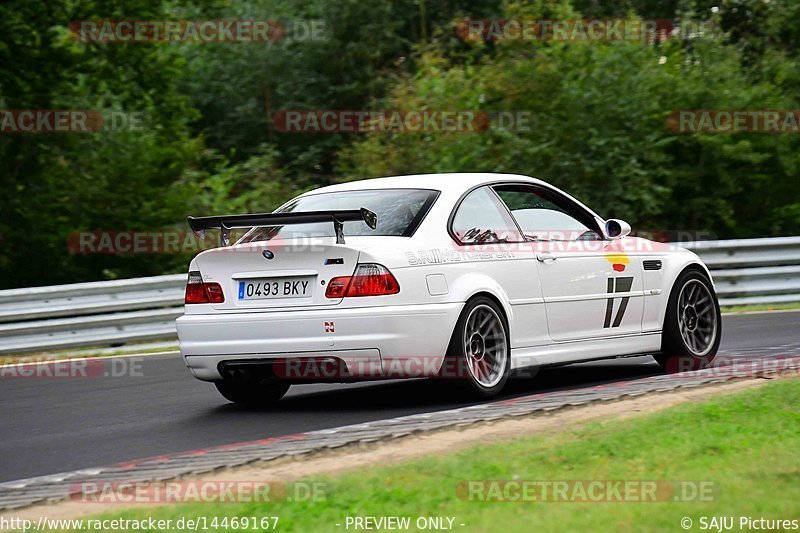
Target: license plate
x=268 y=288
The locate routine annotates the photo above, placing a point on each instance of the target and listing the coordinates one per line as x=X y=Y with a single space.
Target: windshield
x=400 y=211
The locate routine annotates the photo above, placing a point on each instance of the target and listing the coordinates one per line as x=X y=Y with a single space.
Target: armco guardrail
x=753 y=271
x=99 y=313
x=748 y=271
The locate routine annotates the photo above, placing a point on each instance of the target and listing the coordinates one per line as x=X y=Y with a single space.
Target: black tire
x=692 y=328
x=256 y=393
x=474 y=352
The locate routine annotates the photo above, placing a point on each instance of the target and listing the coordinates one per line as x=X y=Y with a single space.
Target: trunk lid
x=273 y=275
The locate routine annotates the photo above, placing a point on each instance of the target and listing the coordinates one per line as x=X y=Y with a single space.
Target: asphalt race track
x=56 y=425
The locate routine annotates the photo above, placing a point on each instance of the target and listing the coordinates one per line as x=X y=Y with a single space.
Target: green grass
x=747 y=443
x=759 y=308
x=85 y=353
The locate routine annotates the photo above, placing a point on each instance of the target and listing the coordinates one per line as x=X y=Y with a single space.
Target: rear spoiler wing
x=226 y=223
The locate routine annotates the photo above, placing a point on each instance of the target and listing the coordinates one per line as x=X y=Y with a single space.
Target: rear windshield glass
x=399 y=211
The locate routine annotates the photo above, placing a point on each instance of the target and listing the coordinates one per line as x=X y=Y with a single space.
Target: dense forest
x=206 y=139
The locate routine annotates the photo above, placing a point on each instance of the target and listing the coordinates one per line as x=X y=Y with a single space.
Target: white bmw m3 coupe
x=462 y=277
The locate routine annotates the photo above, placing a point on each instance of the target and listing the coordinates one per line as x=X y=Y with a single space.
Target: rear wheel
x=257 y=393
x=692 y=324
x=478 y=358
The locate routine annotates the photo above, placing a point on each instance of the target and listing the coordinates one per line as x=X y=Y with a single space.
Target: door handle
x=546 y=256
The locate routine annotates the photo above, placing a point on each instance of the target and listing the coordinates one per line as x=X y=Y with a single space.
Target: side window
x=542 y=216
x=482 y=219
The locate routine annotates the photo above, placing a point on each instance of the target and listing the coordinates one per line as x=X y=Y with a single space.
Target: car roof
x=448 y=182
x=452 y=185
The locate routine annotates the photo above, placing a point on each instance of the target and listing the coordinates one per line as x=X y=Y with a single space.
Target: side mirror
x=616 y=229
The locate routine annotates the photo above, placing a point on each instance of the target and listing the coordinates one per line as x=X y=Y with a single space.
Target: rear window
x=400 y=212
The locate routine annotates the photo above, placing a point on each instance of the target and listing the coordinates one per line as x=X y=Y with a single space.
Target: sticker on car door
x=617 y=285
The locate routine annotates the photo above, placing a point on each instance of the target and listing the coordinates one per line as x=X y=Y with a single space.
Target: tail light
x=369 y=280
x=198 y=292
x=337 y=287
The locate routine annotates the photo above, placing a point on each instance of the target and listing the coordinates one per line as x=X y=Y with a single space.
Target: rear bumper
x=394 y=340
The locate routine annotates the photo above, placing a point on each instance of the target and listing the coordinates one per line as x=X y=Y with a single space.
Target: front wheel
x=256 y=393
x=692 y=324
x=478 y=358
